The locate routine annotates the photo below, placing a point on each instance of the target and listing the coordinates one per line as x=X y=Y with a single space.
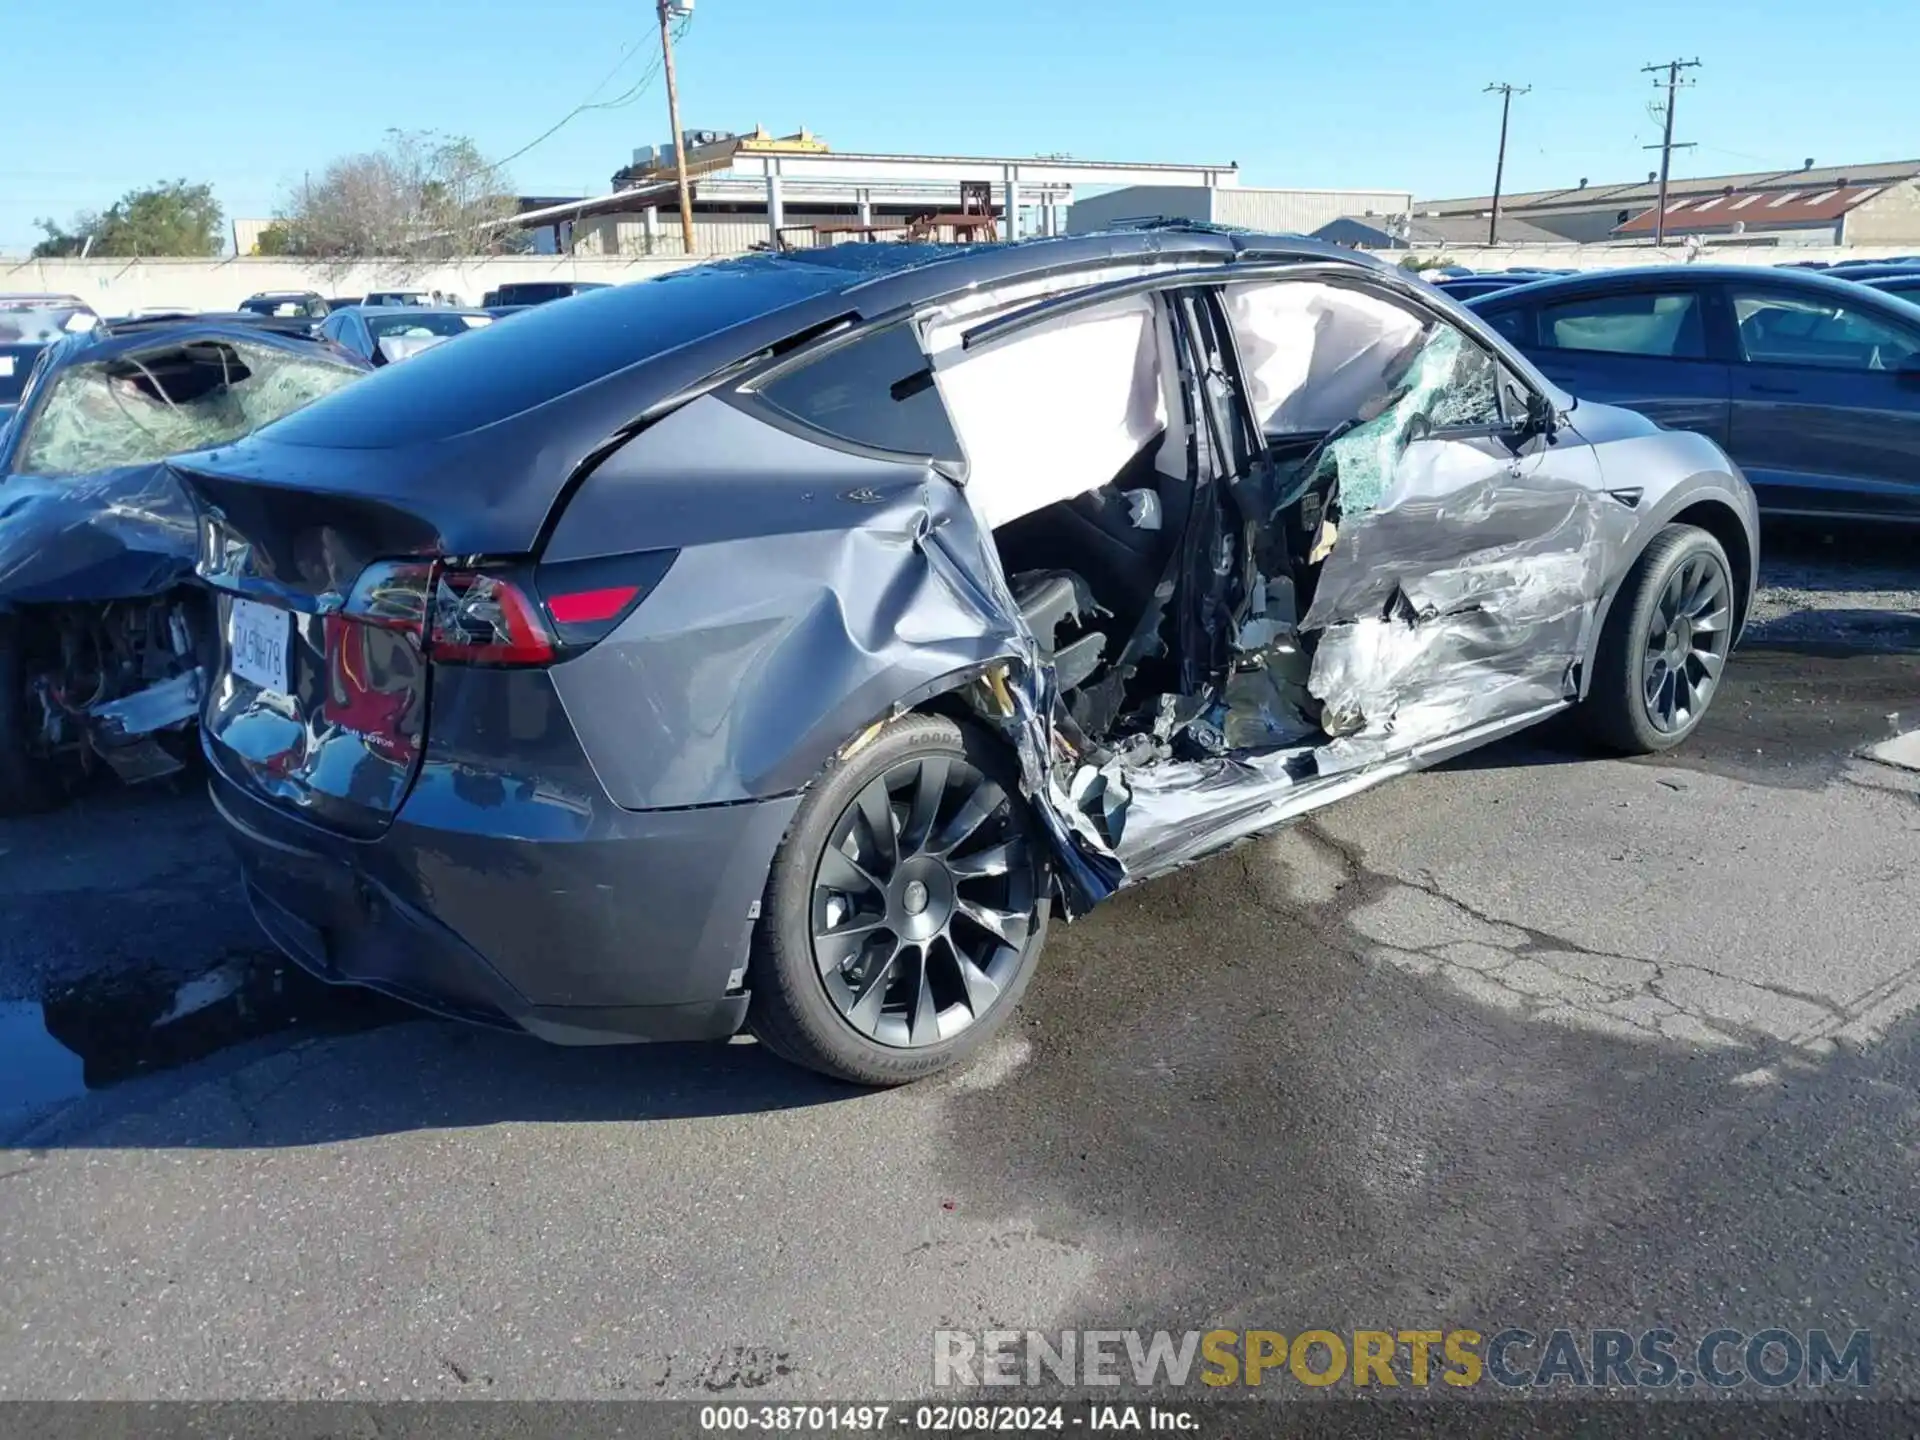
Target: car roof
x=413 y=312
x=1810 y=282
x=114 y=338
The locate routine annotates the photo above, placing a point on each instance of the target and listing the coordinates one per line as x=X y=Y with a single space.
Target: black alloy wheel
x=1664 y=644
x=905 y=910
x=1686 y=644
x=922 y=902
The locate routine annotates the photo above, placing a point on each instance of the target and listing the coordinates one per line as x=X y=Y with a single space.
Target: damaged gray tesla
x=780 y=643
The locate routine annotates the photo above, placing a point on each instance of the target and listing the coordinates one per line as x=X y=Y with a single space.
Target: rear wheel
x=905 y=911
x=1664 y=646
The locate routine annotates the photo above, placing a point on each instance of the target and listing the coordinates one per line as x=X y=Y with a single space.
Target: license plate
x=257 y=637
x=6 y=364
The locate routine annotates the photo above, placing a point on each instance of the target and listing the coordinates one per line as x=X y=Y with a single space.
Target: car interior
x=1789 y=331
x=1168 y=573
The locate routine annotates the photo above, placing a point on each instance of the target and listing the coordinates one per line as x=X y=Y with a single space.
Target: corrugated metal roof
x=1789 y=207
x=1621 y=195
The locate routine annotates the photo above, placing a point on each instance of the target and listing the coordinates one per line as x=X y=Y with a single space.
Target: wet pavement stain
x=1798 y=717
x=1791 y=717
x=89 y=1035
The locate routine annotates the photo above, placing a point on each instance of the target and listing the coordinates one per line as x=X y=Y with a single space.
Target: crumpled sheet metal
x=117 y=535
x=1422 y=633
x=830 y=591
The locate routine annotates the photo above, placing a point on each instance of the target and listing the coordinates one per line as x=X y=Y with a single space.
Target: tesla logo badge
x=862 y=496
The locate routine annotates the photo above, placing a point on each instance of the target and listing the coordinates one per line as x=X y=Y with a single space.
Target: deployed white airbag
x=1315 y=354
x=1055 y=411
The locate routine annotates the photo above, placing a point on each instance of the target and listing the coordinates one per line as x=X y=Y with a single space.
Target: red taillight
x=472 y=617
x=588 y=607
x=392 y=594
x=481 y=618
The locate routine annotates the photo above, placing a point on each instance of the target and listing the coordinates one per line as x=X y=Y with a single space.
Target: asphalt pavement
x=1536 y=1039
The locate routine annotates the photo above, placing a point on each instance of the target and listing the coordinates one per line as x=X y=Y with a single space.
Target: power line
x=1666 y=146
x=620 y=101
x=1506 y=94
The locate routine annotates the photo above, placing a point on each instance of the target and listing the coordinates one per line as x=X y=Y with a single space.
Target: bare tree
x=421 y=196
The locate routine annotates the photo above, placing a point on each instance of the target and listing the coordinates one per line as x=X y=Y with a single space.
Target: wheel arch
x=1709 y=507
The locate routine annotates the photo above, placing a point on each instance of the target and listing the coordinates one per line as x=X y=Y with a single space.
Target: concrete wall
x=1891 y=218
x=114 y=287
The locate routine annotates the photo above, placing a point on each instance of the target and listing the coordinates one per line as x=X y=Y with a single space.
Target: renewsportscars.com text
x=1514 y=1359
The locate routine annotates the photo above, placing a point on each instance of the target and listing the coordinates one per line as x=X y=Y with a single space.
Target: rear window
x=40 y=320
x=549 y=351
x=141 y=407
x=282 y=306
x=431 y=323
x=532 y=294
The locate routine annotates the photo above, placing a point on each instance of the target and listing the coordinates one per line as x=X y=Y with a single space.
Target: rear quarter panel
x=814 y=590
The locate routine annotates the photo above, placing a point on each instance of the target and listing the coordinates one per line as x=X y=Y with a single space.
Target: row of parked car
x=780 y=643
x=1809 y=378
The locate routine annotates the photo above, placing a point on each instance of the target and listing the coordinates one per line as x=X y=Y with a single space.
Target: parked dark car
x=538 y=292
x=382 y=335
x=285 y=304
x=1906 y=286
x=103 y=633
x=1881 y=270
x=1811 y=383
x=28 y=325
x=771 y=642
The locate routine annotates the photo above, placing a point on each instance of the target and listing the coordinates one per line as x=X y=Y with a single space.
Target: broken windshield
x=141 y=408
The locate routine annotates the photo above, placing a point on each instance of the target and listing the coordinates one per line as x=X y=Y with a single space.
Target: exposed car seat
x=1094 y=535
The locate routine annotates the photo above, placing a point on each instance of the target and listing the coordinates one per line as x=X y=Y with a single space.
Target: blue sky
x=1300 y=92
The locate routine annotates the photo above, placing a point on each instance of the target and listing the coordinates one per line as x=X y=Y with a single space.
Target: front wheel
x=1664 y=646
x=905 y=911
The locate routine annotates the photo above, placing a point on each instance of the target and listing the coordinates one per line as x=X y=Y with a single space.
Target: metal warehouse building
x=1875 y=204
x=1298 y=212
x=757 y=190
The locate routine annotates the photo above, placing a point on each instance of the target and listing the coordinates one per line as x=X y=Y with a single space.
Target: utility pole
x=1506 y=94
x=669 y=8
x=1666 y=146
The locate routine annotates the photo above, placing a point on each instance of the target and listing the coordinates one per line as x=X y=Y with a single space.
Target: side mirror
x=1542 y=419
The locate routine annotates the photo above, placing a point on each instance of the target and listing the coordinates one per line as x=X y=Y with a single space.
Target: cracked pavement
x=1535 y=1039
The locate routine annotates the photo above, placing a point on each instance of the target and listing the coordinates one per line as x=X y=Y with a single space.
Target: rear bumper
x=640 y=932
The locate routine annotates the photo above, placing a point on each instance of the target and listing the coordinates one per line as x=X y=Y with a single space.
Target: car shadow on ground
x=419 y=1074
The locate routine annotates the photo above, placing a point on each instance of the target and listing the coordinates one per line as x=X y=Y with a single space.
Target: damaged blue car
x=104 y=633
x=780 y=644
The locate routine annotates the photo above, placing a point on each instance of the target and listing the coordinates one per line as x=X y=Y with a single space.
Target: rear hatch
x=318 y=697
x=389 y=529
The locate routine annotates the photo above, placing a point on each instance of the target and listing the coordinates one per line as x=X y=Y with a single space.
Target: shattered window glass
x=1446 y=382
x=140 y=408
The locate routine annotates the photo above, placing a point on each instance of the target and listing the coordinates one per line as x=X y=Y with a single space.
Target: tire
x=27 y=782
x=892 y=1001
x=1682 y=572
